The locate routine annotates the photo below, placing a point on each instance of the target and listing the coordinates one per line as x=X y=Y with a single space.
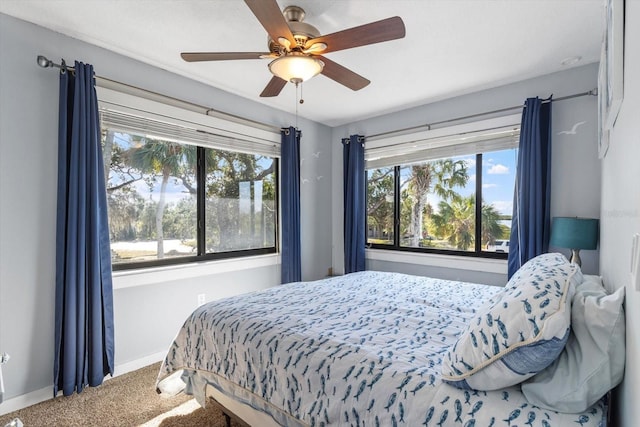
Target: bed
x=377 y=349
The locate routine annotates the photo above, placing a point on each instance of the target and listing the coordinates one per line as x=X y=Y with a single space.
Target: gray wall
x=620 y=211
x=575 y=165
x=447 y=273
x=146 y=317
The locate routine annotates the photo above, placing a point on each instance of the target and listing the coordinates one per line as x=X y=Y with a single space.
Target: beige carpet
x=191 y=413
x=127 y=400
x=211 y=416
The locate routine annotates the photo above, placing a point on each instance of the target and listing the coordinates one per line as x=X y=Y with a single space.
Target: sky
x=498 y=177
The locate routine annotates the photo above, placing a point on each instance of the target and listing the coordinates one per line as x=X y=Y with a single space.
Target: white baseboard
x=28 y=399
x=138 y=363
x=46 y=393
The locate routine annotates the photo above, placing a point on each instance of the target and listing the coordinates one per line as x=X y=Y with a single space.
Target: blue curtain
x=290 y=202
x=531 y=224
x=354 y=204
x=84 y=347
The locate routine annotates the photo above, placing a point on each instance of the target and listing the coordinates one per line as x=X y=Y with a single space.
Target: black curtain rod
x=47 y=63
x=428 y=126
x=347 y=140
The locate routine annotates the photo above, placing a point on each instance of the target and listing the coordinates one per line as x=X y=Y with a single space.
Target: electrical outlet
x=202 y=298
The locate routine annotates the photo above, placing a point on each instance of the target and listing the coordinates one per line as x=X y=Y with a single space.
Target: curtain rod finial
x=44 y=62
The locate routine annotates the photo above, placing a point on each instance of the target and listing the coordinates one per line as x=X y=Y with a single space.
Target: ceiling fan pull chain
x=297 y=97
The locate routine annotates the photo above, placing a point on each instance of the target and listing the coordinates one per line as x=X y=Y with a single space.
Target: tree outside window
x=153 y=191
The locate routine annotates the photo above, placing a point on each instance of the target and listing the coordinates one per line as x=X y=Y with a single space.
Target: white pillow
x=593 y=361
x=520 y=332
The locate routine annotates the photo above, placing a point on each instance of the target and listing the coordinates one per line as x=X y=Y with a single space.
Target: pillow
x=518 y=333
x=535 y=265
x=593 y=361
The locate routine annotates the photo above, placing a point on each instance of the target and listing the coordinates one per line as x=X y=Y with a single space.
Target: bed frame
x=251 y=417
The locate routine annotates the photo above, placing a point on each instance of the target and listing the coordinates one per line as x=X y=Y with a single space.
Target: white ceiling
x=452 y=47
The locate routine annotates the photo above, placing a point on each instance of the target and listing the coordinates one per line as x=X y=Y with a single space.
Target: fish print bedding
x=364 y=349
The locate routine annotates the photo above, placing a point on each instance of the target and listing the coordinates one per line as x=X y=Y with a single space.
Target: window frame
x=441 y=141
x=396 y=246
x=219 y=127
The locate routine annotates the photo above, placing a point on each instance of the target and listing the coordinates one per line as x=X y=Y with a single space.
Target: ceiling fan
x=296 y=48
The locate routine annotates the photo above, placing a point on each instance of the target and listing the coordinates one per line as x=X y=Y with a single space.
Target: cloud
x=489 y=185
x=504 y=207
x=498 y=170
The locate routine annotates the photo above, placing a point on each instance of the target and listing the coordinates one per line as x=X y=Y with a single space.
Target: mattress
x=361 y=349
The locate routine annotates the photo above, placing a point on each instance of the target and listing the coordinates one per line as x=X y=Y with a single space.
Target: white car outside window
x=499 y=246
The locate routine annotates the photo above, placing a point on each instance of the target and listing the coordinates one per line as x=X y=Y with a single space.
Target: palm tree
x=164 y=159
x=439 y=177
x=491 y=228
x=455 y=221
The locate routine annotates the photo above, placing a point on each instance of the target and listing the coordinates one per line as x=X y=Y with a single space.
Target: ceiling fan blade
x=270 y=16
x=374 y=32
x=273 y=88
x=221 y=56
x=342 y=75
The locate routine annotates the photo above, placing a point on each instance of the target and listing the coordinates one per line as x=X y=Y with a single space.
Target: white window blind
x=132 y=114
x=471 y=138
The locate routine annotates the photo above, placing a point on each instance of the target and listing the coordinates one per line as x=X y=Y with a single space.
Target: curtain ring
x=63 y=67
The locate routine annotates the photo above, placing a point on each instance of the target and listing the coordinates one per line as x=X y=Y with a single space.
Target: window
x=174 y=196
x=449 y=194
x=380 y=205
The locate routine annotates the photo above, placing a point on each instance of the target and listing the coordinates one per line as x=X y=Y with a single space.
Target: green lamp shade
x=574 y=233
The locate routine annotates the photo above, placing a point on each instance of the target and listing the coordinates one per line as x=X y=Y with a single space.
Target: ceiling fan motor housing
x=301 y=30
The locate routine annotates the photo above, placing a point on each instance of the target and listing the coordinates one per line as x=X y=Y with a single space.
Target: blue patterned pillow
x=520 y=331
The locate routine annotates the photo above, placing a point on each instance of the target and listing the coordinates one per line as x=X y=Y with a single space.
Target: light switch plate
x=202 y=298
x=635 y=262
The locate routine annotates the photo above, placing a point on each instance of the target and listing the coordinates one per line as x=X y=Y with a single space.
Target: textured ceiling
x=452 y=47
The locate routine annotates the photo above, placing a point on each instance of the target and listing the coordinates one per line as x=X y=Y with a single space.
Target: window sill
x=149 y=276
x=487 y=265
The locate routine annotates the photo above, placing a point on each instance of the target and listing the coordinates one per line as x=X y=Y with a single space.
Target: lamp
x=295 y=67
x=575 y=233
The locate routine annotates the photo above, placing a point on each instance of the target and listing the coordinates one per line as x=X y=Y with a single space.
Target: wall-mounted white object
x=635 y=262
x=4 y=358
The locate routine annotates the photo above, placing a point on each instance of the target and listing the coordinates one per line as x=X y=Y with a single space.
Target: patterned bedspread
x=358 y=350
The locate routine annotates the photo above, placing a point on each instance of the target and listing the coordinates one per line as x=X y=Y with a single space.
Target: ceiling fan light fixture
x=296 y=67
